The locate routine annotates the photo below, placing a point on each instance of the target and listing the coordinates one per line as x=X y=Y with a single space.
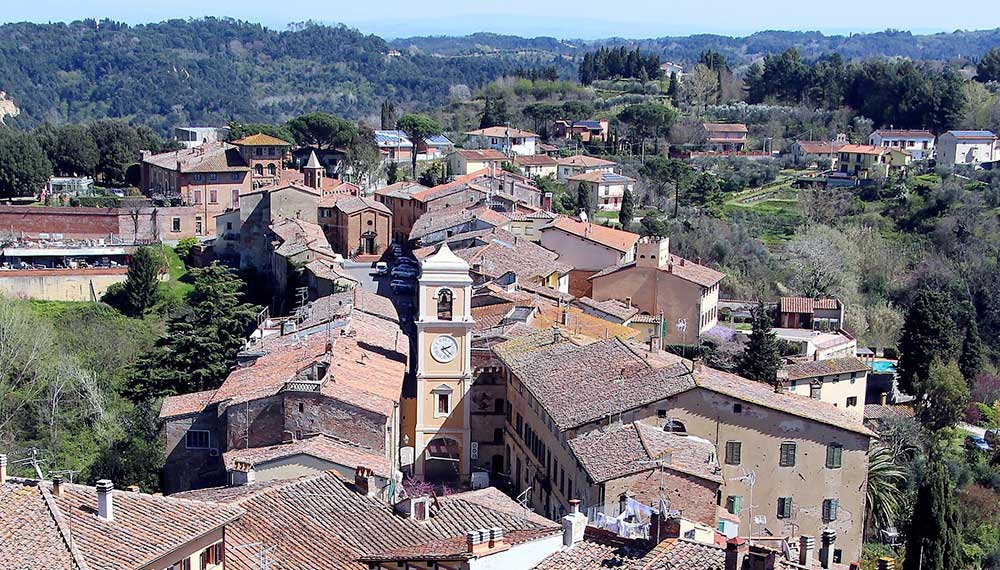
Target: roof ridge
x=63 y=526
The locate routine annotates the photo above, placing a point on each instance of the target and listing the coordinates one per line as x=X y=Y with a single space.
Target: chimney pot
x=807 y=545
x=736 y=549
x=884 y=398
x=364 y=480
x=105 y=500
x=57 y=486
x=574 y=524
x=628 y=302
x=829 y=537
x=3 y=468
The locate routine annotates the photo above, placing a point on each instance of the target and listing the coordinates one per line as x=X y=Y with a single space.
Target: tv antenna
x=750 y=478
x=264 y=558
x=522 y=499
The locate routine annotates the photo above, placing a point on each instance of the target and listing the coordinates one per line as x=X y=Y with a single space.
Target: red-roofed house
x=723 y=137
x=588 y=248
x=462 y=162
x=866 y=161
x=684 y=292
x=918 y=142
x=507 y=140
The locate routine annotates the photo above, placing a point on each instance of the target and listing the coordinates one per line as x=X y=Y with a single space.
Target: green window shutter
x=787 y=458
x=784 y=507
x=734 y=504
x=830 y=510
x=834 y=456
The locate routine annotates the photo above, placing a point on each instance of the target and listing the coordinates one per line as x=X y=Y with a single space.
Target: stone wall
x=60 y=284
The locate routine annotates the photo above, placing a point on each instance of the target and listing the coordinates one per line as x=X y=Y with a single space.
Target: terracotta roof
x=888 y=411
x=480 y=155
x=323 y=523
x=354 y=204
x=494 y=252
x=725 y=127
x=403 y=189
x=764 y=395
x=502 y=132
x=611 y=307
x=602 y=178
x=184 y=404
x=904 y=133
x=683 y=554
x=298 y=235
x=598 y=550
x=576 y=383
x=320 y=446
x=454 y=548
x=678 y=266
x=65 y=532
x=535 y=160
x=584 y=161
x=806 y=304
x=820 y=147
x=864 y=149
x=621 y=450
x=449 y=187
x=437 y=220
x=828 y=367
x=209 y=157
x=260 y=139
x=615 y=239
x=329 y=270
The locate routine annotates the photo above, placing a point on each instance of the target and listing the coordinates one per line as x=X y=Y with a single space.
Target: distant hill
x=208 y=71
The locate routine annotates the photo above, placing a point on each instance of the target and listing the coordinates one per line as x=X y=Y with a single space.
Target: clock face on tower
x=444 y=348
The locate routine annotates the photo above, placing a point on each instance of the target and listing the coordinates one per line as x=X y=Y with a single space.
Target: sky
x=583 y=19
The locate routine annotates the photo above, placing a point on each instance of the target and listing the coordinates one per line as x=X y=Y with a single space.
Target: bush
x=184 y=247
x=115 y=296
x=890 y=352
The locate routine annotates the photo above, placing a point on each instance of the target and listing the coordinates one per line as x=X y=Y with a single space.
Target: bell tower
x=313 y=172
x=444 y=368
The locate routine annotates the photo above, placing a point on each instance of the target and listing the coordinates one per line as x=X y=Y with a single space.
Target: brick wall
x=694 y=497
x=150 y=223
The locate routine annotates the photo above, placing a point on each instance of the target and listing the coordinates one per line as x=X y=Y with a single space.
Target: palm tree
x=885 y=487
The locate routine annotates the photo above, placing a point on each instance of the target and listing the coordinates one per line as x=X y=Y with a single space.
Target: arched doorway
x=442 y=460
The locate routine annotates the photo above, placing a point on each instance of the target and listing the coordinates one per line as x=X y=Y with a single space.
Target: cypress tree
x=141 y=290
x=673 y=89
x=973 y=357
x=761 y=355
x=627 y=209
x=929 y=332
x=934 y=542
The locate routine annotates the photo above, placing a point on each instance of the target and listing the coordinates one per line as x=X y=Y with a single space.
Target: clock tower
x=444 y=368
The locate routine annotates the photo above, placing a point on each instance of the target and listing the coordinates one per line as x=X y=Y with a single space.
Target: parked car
x=975 y=442
x=381 y=268
x=401 y=287
x=399 y=272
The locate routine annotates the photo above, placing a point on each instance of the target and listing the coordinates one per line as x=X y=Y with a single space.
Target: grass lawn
x=179 y=284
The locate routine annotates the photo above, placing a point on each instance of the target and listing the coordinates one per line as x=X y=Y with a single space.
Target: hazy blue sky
x=560 y=18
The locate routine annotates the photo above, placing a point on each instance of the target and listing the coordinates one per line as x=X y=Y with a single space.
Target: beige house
x=841 y=381
x=588 y=248
x=725 y=137
x=606 y=189
x=582 y=164
x=537 y=165
x=462 y=162
x=685 y=293
x=809 y=457
x=59 y=525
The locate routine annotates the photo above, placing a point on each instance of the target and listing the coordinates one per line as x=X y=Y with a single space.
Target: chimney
x=556 y=335
x=807 y=546
x=243 y=473
x=57 y=486
x=628 y=302
x=574 y=524
x=105 y=500
x=485 y=541
x=886 y=563
x=883 y=398
x=364 y=480
x=736 y=549
x=3 y=468
x=761 y=558
x=829 y=537
x=564 y=317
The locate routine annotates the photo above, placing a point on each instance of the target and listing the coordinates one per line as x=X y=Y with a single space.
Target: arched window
x=259 y=169
x=674 y=426
x=272 y=169
x=444 y=302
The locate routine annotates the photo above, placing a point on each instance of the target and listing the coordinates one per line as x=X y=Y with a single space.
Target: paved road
x=365 y=275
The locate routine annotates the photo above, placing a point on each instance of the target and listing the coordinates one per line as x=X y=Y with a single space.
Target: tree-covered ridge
x=209 y=71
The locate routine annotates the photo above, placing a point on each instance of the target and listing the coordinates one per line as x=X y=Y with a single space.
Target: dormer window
x=445 y=300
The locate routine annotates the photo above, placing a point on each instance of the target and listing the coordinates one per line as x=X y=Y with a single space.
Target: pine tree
x=201 y=343
x=929 y=332
x=934 y=542
x=141 y=290
x=973 y=357
x=627 y=210
x=761 y=355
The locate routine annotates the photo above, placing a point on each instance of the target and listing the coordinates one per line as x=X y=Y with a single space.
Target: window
x=443 y=405
x=229 y=225
x=852 y=401
x=737 y=408
x=213 y=196
x=784 y=507
x=175 y=224
x=734 y=450
x=302 y=408
x=442 y=401
x=272 y=169
x=235 y=177
x=814 y=390
x=258 y=151
x=445 y=300
x=213 y=177
x=259 y=169
x=787 y=455
x=834 y=456
x=829 y=510
x=734 y=504
x=197 y=177
x=196 y=439
x=212 y=555
x=661 y=413
x=498 y=435
x=197 y=196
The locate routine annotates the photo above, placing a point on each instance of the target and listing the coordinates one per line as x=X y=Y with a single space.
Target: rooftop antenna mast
x=663 y=501
x=33 y=460
x=522 y=499
x=750 y=478
x=264 y=558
